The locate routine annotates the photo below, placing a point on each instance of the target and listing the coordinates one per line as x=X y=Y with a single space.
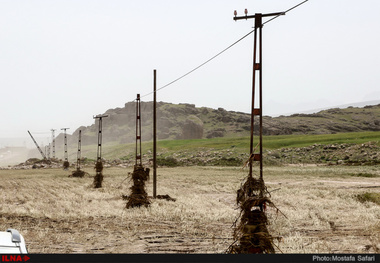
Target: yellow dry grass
x=58 y=214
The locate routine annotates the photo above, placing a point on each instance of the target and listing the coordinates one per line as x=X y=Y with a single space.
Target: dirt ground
x=321 y=214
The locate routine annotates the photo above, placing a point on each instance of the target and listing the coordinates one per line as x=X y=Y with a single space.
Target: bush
x=369 y=197
x=168 y=161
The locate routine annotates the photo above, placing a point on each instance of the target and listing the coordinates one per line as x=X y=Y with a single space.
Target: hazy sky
x=63 y=61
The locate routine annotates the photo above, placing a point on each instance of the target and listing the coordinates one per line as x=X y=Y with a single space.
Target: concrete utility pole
x=53 y=142
x=100 y=135
x=154 y=136
x=48 y=151
x=138 y=196
x=138 y=130
x=38 y=147
x=66 y=163
x=98 y=179
x=257 y=66
x=79 y=150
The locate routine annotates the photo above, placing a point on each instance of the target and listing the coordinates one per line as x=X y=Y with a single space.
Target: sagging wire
x=218 y=54
x=221 y=52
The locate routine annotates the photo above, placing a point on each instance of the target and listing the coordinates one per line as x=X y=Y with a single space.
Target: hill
x=354 y=148
x=185 y=121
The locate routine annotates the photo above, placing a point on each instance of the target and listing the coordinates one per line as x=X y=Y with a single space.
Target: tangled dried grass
x=98 y=179
x=251 y=234
x=138 y=196
x=99 y=166
x=66 y=165
x=78 y=173
x=166 y=197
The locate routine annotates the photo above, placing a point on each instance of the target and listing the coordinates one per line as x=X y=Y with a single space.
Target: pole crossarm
x=255 y=15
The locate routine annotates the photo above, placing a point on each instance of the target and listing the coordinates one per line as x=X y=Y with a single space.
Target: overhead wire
x=221 y=52
x=201 y=65
x=217 y=55
x=210 y=59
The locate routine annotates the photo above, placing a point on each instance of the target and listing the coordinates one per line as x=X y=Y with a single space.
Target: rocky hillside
x=185 y=121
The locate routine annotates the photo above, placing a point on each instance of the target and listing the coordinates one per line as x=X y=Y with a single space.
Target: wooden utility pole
x=154 y=136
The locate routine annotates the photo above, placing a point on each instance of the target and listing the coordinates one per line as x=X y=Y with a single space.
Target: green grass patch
x=168 y=162
x=114 y=150
x=367 y=175
x=369 y=197
x=271 y=142
x=280 y=141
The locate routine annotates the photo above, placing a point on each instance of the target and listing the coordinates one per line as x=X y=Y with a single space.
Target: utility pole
x=78 y=172
x=79 y=150
x=138 y=196
x=100 y=136
x=252 y=197
x=48 y=151
x=66 y=163
x=98 y=179
x=154 y=136
x=257 y=66
x=38 y=147
x=138 y=130
x=53 y=142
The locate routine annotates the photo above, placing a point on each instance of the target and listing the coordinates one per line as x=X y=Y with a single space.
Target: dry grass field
x=58 y=214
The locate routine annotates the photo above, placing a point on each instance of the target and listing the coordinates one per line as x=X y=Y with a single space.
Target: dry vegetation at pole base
x=251 y=234
x=78 y=173
x=98 y=178
x=138 y=196
x=329 y=209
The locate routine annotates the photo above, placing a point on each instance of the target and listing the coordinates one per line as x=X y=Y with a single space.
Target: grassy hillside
x=270 y=141
x=233 y=151
x=185 y=121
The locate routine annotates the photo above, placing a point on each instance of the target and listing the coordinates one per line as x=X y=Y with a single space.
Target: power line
x=204 y=63
x=218 y=54
x=284 y=12
x=221 y=52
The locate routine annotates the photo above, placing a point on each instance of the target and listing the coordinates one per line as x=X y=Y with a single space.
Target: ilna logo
x=14 y=258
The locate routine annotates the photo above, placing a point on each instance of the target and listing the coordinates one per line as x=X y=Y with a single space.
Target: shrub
x=168 y=161
x=369 y=197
